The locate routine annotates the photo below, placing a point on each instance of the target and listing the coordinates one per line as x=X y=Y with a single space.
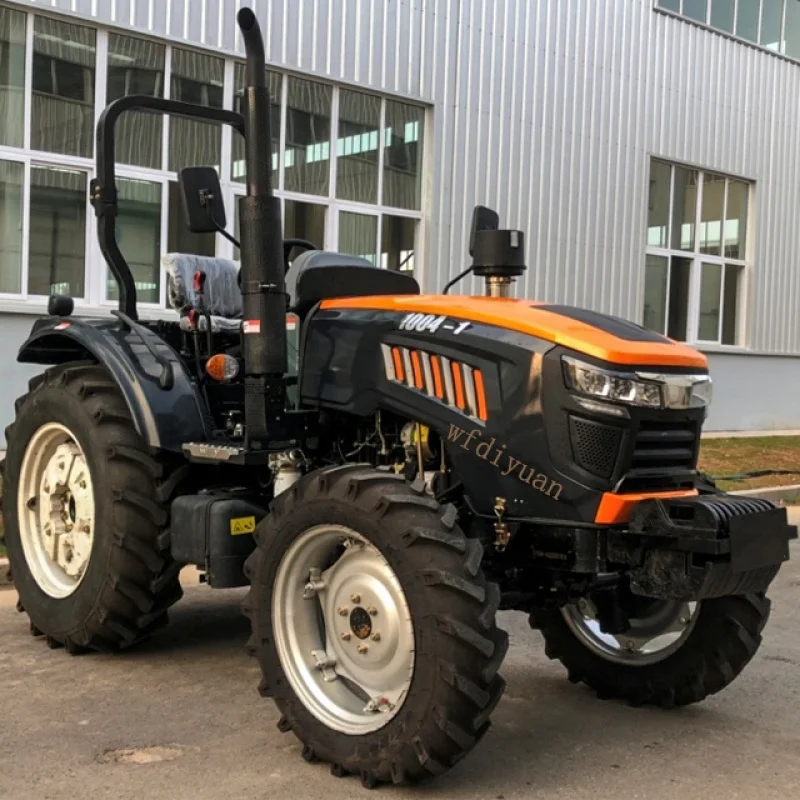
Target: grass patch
x=734 y=456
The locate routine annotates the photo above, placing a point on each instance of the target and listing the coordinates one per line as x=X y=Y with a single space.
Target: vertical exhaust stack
x=263 y=279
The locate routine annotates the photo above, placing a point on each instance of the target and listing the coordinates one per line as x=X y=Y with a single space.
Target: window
x=12 y=76
x=773 y=24
x=402 y=165
x=63 y=88
x=358 y=235
x=136 y=66
x=696 y=245
x=357 y=147
x=196 y=78
x=139 y=237
x=56 y=264
x=308 y=137
x=12 y=175
x=398 y=243
x=360 y=192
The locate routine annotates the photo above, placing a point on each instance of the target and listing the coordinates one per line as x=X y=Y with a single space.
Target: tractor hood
x=601 y=336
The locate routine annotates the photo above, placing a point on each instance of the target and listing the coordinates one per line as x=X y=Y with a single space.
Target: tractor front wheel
x=374 y=625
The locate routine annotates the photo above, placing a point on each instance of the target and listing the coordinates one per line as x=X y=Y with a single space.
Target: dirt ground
x=720 y=457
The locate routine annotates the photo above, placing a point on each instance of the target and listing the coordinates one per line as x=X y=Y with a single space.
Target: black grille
x=595 y=446
x=665 y=444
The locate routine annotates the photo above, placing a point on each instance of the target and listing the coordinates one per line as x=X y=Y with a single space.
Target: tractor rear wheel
x=674 y=653
x=85 y=507
x=374 y=625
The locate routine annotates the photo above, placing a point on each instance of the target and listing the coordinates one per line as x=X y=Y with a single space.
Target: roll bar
x=103 y=188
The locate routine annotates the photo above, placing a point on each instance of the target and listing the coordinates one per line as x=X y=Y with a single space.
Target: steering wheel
x=288 y=246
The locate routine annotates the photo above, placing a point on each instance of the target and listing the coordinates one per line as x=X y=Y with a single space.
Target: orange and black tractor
x=385 y=470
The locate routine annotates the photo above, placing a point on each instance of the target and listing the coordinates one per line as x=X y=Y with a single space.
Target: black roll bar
x=103 y=189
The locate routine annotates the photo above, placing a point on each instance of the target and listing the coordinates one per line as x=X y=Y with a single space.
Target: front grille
x=665 y=444
x=594 y=446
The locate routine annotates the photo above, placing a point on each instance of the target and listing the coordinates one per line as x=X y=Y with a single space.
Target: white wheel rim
x=55 y=509
x=343 y=630
x=652 y=636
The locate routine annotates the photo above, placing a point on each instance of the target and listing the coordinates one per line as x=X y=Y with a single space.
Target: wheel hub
x=56 y=510
x=343 y=629
x=655 y=631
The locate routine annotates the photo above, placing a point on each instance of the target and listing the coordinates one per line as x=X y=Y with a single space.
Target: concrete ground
x=180 y=718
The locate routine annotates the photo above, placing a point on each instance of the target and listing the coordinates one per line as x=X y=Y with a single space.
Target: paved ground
x=190 y=692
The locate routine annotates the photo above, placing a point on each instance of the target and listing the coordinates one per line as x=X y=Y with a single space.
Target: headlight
x=647 y=389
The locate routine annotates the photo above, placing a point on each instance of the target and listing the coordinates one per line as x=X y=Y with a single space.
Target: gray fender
x=166 y=413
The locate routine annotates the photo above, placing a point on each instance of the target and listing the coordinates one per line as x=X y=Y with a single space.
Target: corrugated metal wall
x=549 y=110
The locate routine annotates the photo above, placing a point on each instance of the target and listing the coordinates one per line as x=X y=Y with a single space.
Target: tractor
x=385 y=470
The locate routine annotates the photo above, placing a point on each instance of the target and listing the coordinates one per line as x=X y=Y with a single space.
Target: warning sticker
x=251 y=326
x=242 y=525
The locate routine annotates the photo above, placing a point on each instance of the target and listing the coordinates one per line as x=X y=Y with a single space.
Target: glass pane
x=678 y=297
x=710 y=232
x=722 y=14
x=771 y=19
x=670 y=5
x=684 y=208
x=237 y=143
x=179 y=238
x=196 y=78
x=308 y=137
x=747 y=20
x=136 y=66
x=304 y=221
x=736 y=220
x=791 y=31
x=357 y=148
x=403 y=136
x=56 y=263
x=12 y=76
x=398 y=242
x=655 y=293
x=710 y=285
x=63 y=88
x=695 y=9
x=139 y=237
x=12 y=176
x=358 y=235
x=658 y=205
x=730 y=303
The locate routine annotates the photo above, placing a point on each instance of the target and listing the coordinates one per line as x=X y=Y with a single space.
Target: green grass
x=733 y=456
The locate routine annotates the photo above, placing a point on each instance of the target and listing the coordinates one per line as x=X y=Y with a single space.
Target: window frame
x=95 y=300
x=697 y=259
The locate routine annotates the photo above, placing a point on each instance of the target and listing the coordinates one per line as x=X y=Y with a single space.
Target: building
x=647 y=148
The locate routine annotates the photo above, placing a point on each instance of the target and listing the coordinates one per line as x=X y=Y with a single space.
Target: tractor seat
x=318 y=275
x=222 y=296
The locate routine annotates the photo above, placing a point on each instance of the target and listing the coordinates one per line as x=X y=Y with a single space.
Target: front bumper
x=694 y=548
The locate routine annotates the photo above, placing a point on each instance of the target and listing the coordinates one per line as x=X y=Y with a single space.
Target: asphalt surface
x=179 y=717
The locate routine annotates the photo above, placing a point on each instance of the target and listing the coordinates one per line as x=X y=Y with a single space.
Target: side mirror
x=203 y=207
x=483 y=219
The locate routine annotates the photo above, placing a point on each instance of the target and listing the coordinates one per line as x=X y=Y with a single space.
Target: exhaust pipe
x=498 y=256
x=263 y=274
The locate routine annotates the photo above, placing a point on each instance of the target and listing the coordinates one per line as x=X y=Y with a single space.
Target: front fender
x=165 y=418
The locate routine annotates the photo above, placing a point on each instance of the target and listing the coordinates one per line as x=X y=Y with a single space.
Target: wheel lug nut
x=355 y=598
x=342 y=610
x=346 y=636
x=376 y=637
x=372 y=611
x=363 y=649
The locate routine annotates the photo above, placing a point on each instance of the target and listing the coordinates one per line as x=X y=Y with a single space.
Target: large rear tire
x=663 y=668
x=374 y=626
x=85 y=506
